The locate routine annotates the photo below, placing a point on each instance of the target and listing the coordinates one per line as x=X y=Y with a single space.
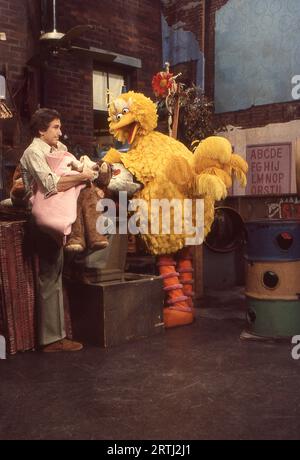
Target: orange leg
x=185 y=270
x=177 y=311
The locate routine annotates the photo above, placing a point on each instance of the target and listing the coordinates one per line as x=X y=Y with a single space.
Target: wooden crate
x=18 y=273
x=115 y=312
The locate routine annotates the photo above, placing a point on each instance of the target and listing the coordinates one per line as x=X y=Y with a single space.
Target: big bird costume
x=168 y=170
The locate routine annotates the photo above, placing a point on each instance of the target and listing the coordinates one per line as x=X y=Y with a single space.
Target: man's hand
x=90 y=174
x=67 y=182
x=75 y=165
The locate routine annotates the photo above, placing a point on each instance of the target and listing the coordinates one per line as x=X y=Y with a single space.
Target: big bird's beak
x=130 y=124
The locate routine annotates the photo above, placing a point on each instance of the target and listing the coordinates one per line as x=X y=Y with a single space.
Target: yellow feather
x=241 y=177
x=214 y=148
x=239 y=168
x=112 y=156
x=213 y=186
x=221 y=174
x=238 y=162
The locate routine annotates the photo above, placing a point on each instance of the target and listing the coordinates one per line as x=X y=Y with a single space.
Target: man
x=46 y=130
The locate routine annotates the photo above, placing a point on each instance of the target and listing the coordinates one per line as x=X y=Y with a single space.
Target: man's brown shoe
x=62 y=345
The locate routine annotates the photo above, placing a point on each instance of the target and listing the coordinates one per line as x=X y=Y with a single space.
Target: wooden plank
x=198 y=272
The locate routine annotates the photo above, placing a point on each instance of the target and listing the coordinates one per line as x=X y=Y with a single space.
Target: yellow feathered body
x=164 y=166
x=167 y=169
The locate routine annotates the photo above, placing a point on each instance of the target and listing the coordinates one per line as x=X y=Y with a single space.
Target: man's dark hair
x=41 y=120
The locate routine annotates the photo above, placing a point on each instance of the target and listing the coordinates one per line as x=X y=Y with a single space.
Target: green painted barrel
x=273 y=318
x=273 y=278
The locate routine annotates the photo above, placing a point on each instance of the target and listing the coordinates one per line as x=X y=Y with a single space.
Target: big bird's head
x=131 y=116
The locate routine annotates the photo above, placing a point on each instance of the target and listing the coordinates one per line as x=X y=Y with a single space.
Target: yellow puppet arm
x=112 y=156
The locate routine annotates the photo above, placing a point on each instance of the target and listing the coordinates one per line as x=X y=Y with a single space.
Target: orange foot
x=174 y=318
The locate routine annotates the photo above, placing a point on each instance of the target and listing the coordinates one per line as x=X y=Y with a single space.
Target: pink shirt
x=56 y=213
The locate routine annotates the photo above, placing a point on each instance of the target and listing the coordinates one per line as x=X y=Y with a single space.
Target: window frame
x=115 y=70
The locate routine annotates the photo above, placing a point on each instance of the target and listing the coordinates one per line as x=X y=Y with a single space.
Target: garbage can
x=273 y=277
x=223 y=251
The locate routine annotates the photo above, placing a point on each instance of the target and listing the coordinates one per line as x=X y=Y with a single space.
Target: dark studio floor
x=194 y=382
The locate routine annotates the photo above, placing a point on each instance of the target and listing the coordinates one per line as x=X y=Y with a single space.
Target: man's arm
x=66 y=182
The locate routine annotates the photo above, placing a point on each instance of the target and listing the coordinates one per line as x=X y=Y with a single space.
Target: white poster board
x=269 y=149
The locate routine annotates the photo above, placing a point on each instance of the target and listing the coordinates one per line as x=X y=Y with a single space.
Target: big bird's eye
x=119 y=116
x=125 y=110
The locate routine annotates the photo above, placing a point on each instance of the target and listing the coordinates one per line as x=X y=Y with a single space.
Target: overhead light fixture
x=3 y=36
x=54 y=34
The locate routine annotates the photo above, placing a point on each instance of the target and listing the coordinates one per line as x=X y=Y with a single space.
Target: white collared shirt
x=35 y=169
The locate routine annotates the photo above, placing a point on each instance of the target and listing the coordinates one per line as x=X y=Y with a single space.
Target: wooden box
x=115 y=312
x=100 y=266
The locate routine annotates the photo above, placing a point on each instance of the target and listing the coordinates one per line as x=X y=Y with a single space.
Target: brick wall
x=68 y=89
x=21 y=32
x=187 y=15
x=20 y=21
x=254 y=116
x=130 y=27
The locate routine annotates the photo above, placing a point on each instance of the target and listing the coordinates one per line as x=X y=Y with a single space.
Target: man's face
x=53 y=133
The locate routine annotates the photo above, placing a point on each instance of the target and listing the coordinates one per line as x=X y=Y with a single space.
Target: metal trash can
x=273 y=277
x=223 y=251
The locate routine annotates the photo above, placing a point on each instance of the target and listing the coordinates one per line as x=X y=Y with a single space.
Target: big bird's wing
x=112 y=156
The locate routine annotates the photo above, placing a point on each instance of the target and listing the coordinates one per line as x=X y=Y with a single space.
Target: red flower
x=161 y=83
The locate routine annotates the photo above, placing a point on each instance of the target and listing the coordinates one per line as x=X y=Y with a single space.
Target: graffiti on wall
x=285 y=208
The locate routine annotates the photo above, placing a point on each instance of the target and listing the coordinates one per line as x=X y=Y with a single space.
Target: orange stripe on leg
x=178 y=312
